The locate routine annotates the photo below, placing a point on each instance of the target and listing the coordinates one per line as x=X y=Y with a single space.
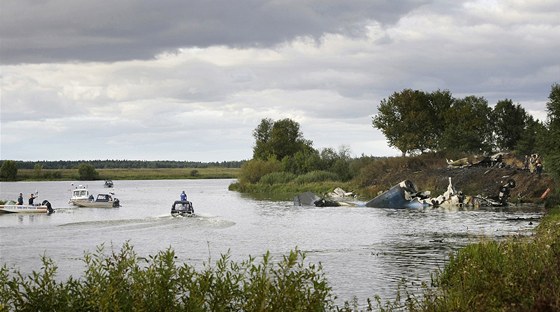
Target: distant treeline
x=125 y=164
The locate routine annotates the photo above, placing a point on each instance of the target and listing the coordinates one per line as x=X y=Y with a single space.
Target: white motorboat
x=44 y=207
x=102 y=201
x=80 y=194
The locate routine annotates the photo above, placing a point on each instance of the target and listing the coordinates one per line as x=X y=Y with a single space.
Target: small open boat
x=44 y=207
x=108 y=183
x=102 y=201
x=182 y=208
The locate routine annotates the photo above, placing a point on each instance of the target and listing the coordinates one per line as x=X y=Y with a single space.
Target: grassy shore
x=131 y=174
x=516 y=274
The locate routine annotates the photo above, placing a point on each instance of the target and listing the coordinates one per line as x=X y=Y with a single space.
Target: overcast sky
x=191 y=79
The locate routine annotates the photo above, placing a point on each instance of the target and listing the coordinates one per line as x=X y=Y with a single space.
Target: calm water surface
x=364 y=251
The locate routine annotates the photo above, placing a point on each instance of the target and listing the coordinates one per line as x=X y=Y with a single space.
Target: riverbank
x=517 y=274
x=428 y=174
x=131 y=174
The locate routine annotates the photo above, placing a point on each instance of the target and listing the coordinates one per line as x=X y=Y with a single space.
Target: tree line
x=125 y=164
x=9 y=168
x=415 y=122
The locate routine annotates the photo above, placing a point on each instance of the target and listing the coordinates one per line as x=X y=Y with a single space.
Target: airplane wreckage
x=497 y=160
x=406 y=196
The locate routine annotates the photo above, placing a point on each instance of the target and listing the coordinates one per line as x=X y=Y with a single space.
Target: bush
x=277 y=178
x=87 y=172
x=123 y=282
x=253 y=170
x=316 y=176
x=194 y=173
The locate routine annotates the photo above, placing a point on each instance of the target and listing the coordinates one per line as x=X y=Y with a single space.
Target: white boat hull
x=90 y=204
x=23 y=209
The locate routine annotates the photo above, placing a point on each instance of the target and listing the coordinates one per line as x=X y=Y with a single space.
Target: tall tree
x=553 y=119
x=278 y=139
x=551 y=148
x=467 y=126
x=440 y=102
x=509 y=123
x=262 y=135
x=529 y=141
x=404 y=119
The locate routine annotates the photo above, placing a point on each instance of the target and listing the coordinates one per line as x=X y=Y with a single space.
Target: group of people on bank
x=533 y=164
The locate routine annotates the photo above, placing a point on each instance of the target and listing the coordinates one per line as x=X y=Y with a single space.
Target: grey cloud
x=88 y=30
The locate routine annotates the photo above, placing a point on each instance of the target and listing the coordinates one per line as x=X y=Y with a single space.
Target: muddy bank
x=483 y=181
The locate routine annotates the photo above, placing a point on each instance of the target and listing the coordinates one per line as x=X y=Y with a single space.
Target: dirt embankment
x=483 y=181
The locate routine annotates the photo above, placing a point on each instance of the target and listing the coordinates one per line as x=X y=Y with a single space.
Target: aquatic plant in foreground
x=122 y=281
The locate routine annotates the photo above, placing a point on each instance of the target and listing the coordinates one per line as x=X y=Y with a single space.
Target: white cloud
x=202 y=102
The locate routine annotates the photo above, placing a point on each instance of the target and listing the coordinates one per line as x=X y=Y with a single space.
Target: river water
x=364 y=251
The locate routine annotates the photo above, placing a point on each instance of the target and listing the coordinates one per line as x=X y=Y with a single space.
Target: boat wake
x=159 y=221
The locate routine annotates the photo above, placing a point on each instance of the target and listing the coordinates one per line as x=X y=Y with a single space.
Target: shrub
x=194 y=173
x=316 y=176
x=277 y=178
x=253 y=170
x=121 y=281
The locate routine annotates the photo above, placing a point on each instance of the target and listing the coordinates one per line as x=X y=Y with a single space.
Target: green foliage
x=87 y=172
x=531 y=137
x=38 y=170
x=468 y=127
x=253 y=170
x=549 y=140
x=416 y=122
x=278 y=139
x=277 y=178
x=194 y=173
x=552 y=165
x=509 y=123
x=403 y=119
x=302 y=161
x=316 y=176
x=553 y=107
x=8 y=170
x=337 y=162
x=129 y=164
x=439 y=103
x=121 y=281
